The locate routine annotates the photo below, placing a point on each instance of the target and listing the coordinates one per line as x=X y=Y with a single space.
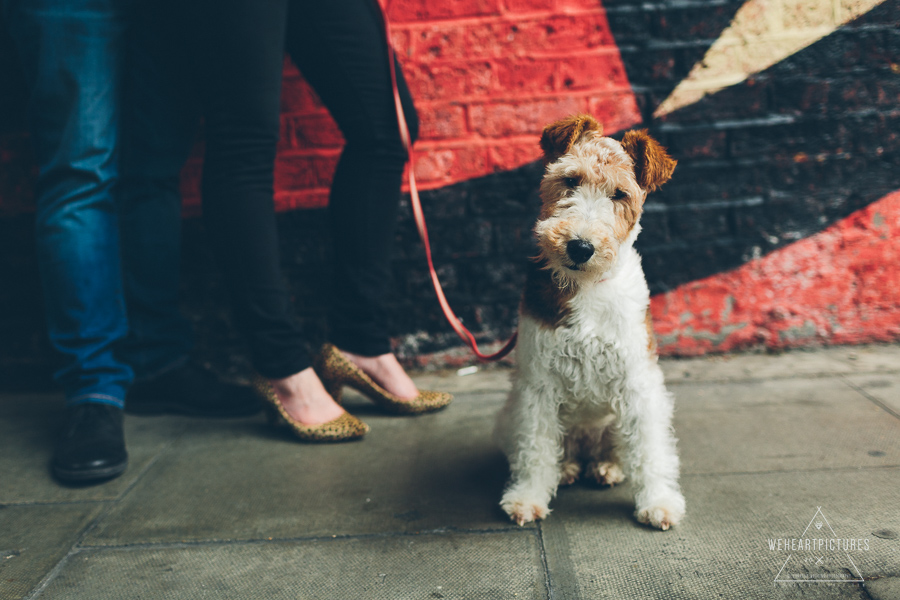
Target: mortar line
x=209 y=543
x=870 y=397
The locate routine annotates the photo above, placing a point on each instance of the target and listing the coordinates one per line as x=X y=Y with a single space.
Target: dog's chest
x=589 y=351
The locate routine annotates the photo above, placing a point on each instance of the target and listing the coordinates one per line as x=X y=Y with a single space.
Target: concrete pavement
x=798 y=447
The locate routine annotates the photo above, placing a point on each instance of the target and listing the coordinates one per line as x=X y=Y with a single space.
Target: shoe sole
x=82 y=476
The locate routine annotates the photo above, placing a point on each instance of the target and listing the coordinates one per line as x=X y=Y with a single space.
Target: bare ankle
x=305 y=399
x=387 y=372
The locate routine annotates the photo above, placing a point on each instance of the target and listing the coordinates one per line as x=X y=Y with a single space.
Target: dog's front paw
x=523 y=511
x=606 y=473
x=663 y=513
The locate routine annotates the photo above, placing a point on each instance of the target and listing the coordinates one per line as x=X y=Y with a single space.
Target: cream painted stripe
x=762 y=33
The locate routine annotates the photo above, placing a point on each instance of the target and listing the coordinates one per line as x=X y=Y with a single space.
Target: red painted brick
x=595 y=71
x=315 y=198
x=450 y=164
x=559 y=34
x=577 y=5
x=448 y=81
x=405 y=11
x=294 y=173
x=311 y=131
x=401 y=40
x=528 y=6
x=617 y=111
x=298 y=97
x=509 y=155
x=501 y=119
x=440 y=41
x=442 y=121
x=527 y=75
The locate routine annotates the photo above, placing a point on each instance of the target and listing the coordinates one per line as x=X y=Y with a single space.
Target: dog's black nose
x=579 y=251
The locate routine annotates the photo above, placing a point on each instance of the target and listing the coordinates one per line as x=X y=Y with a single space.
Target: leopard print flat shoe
x=342 y=429
x=336 y=371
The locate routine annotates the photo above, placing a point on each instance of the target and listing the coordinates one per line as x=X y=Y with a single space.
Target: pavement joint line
x=865 y=593
x=53 y=502
x=317 y=538
x=76 y=546
x=548 y=582
x=778 y=378
x=776 y=471
x=558 y=550
x=871 y=398
x=150 y=464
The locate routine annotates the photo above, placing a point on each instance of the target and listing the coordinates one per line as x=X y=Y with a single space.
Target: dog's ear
x=652 y=165
x=558 y=137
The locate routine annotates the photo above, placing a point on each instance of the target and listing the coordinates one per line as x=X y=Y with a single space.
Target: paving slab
x=884 y=588
x=596 y=550
x=234 y=509
x=458 y=566
x=27 y=431
x=782 y=425
x=240 y=480
x=33 y=539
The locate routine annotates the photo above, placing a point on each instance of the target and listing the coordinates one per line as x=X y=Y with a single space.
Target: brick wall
x=777 y=229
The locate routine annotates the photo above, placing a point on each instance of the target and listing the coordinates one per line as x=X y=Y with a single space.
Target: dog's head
x=593 y=192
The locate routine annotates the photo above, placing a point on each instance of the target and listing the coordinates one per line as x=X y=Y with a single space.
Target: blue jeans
x=73 y=53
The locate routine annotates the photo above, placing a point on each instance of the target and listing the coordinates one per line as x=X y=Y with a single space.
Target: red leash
x=451 y=317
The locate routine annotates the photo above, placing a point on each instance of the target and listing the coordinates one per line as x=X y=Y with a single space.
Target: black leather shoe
x=191 y=390
x=91 y=445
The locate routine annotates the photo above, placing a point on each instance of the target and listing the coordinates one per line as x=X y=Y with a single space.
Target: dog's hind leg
x=602 y=462
x=570 y=468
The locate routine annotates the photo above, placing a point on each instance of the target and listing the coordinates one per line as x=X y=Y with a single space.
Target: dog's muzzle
x=580 y=251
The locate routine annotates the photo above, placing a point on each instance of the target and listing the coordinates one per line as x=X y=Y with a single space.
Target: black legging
x=340 y=48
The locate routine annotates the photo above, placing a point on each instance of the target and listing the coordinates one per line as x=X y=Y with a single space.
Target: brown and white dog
x=588 y=395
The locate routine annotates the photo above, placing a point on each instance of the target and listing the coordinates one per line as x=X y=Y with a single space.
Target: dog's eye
x=572 y=182
x=619 y=195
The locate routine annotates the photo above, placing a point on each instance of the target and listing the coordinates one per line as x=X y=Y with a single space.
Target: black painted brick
x=692 y=23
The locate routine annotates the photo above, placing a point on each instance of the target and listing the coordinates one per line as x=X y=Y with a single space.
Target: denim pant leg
x=160 y=114
x=71 y=55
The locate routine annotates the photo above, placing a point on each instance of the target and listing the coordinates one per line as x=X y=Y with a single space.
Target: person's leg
x=355 y=85
x=71 y=55
x=240 y=56
x=160 y=118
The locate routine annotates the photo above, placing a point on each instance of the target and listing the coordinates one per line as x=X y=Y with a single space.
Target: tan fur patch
x=651 y=337
x=652 y=165
x=543 y=299
x=628 y=211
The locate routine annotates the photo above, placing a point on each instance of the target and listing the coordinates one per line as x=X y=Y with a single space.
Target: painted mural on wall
x=777 y=230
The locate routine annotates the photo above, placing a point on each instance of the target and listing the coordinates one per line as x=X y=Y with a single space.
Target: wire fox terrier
x=588 y=396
